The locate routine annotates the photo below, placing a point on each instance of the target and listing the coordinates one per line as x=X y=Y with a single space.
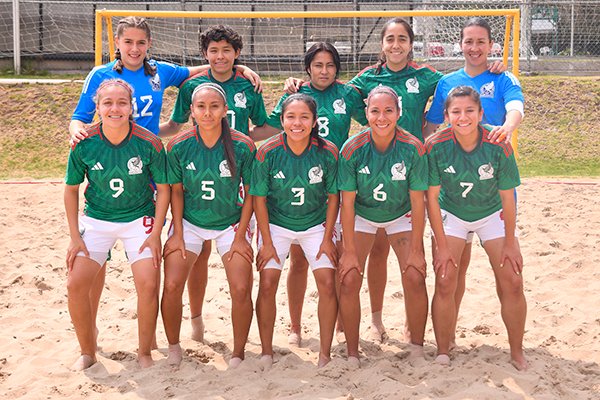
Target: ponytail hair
x=312 y=106
x=411 y=35
x=225 y=128
x=138 y=23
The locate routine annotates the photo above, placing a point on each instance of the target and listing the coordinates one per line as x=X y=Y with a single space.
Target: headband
x=117 y=82
x=213 y=86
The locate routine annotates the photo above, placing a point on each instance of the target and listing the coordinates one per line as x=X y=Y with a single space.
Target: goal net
x=275 y=41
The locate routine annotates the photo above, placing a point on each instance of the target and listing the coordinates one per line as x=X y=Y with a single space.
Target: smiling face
x=464 y=115
x=396 y=45
x=208 y=109
x=298 y=121
x=114 y=106
x=382 y=114
x=322 y=70
x=221 y=56
x=476 y=45
x=133 y=44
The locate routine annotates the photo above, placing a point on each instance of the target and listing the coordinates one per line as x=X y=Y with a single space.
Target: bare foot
x=295 y=338
x=520 y=363
x=323 y=360
x=175 y=355
x=266 y=362
x=452 y=345
x=340 y=337
x=443 y=359
x=145 y=361
x=377 y=334
x=235 y=362
x=198 y=329
x=83 y=362
x=353 y=362
x=407 y=334
x=415 y=351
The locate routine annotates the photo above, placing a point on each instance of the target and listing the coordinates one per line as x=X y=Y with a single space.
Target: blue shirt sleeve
x=174 y=74
x=86 y=107
x=436 y=111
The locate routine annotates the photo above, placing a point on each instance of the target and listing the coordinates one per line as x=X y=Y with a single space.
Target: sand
x=559 y=223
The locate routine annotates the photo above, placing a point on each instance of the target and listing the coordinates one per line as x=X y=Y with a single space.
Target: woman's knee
x=351 y=283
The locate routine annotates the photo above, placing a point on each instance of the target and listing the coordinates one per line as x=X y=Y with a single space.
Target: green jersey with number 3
x=243 y=102
x=296 y=187
x=470 y=180
x=382 y=180
x=336 y=106
x=119 y=176
x=212 y=194
x=414 y=84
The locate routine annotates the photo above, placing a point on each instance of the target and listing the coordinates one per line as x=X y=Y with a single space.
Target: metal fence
x=556 y=36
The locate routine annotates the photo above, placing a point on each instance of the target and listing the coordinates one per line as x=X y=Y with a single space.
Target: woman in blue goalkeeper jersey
x=206 y=167
x=120 y=160
x=501 y=98
x=471 y=190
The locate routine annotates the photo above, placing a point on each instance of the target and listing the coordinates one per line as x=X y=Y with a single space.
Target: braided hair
x=138 y=23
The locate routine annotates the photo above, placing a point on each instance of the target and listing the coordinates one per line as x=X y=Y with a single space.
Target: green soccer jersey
x=119 y=176
x=296 y=187
x=414 y=84
x=212 y=196
x=382 y=180
x=336 y=105
x=243 y=102
x=470 y=181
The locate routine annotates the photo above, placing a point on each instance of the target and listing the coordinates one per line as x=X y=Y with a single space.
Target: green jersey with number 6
x=470 y=180
x=382 y=180
x=119 y=176
x=243 y=102
x=414 y=84
x=212 y=194
x=296 y=187
x=336 y=106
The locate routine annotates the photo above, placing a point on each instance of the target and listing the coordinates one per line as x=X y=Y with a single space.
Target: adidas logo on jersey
x=97 y=167
x=450 y=170
x=364 y=170
x=191 y=166
x=279 y=175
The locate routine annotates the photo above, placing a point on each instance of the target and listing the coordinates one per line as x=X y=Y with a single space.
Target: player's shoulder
x=439 y=137
x=242 y=139
x=146 y=136
x=509 y=77
x=503 y=147
x=367 y=71
x=328 y=146
x=194 y=80
x=241 y=81
x=270 y=145
x=93 y=135
x=355 y=142
x=181 y=138
x=425 y=68
x=411 y=140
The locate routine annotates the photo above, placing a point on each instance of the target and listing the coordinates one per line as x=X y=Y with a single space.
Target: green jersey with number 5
x=212 y=193
x=296 y=187
x=382 y=180
x=336 y=106
x=119 y=176
x=470 y=180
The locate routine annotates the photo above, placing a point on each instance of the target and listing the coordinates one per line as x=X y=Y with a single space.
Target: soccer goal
x=275 y=41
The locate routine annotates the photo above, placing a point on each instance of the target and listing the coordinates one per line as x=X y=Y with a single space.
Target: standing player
x=221 y=46
x=472 y=182
x=382 y=176
x=337 y=104
x=210 y=162
x=119 y=159
x=294 y=176
x=502 y=100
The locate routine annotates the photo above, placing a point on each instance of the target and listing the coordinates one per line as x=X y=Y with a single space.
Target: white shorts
x=194 y=237
x=100 y=236
x=488 y=228
x=402 y=224
x=310 y=240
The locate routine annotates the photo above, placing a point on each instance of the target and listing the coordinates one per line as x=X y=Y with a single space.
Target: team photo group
x=433 y=152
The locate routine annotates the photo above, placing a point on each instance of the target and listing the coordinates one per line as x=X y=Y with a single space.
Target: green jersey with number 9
x=470 y=180
x=119 y=176
x=382 y=180
x=212 y=193
x=296 y=187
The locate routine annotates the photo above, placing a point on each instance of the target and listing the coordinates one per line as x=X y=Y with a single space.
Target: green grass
x=558 y=136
